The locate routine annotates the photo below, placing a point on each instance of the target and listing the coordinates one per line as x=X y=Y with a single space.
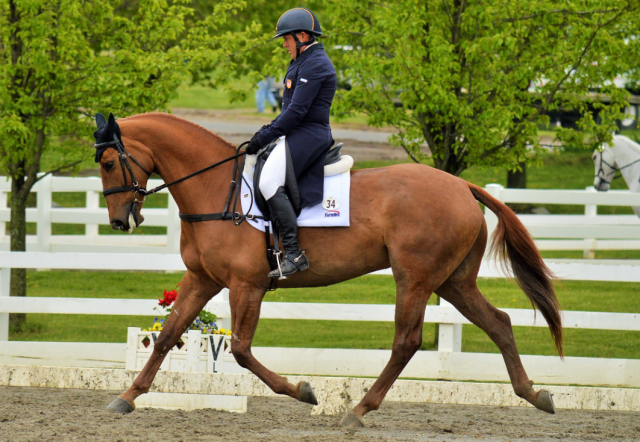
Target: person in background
x=265 y=93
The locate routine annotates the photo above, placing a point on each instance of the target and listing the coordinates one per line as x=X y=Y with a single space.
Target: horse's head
x=124 y=178
x=606 y=167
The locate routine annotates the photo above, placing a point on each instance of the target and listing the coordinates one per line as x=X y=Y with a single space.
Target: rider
x=309 y=87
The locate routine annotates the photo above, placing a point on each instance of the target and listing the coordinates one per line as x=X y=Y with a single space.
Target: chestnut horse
x=423 y=223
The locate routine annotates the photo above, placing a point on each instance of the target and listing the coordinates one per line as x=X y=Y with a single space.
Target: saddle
x=333 y=158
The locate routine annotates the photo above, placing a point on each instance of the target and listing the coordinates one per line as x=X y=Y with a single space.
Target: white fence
x=588 y=232
x=449 y=362
x=91 y=216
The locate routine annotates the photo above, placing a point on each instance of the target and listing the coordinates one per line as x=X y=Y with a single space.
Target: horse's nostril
x=117 y=225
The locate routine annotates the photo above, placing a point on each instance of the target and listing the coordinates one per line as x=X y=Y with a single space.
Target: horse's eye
x=108 y=166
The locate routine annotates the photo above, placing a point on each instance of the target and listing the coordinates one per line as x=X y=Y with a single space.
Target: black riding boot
x=284 y=217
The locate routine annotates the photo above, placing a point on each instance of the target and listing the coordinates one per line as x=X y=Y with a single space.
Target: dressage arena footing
x=334 y=394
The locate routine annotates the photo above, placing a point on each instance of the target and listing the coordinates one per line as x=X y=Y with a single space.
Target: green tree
x=453 y=76
x=264 y=57
x=61 y=61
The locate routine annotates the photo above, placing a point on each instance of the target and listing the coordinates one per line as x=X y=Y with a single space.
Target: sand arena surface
x=30 y=414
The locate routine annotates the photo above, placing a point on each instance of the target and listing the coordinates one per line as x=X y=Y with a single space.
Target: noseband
x=124 y=156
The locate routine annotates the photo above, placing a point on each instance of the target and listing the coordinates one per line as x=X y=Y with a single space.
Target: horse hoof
x=306 y=393
x=351 y=420
x=121 y=406
x=544 y=402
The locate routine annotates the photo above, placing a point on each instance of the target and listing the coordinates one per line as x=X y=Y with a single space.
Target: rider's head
x=299 y=27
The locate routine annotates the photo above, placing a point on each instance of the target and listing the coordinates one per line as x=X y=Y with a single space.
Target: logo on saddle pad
x=332 y=214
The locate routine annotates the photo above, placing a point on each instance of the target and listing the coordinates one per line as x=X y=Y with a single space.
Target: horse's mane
x=182 y=120
x=631 y=143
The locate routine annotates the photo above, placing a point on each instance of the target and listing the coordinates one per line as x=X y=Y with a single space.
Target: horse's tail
x=512 y=241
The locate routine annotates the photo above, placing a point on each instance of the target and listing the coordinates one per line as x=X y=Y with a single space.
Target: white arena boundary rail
x=448 y=362
x=588 y=232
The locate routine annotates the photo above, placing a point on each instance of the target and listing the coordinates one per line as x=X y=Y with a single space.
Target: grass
x=573 y=295
x=202 y=97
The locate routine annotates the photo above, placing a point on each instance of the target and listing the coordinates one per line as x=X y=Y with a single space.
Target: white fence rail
x=588 y=232
x=91 y=216
x=446 y=363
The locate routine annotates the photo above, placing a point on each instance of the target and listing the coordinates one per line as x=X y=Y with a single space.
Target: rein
x=235 y=216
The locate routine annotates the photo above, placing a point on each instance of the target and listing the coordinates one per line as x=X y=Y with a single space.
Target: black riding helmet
x=298 y=20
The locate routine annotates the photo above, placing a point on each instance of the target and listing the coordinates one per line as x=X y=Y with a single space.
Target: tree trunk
x=18 y=229
x=517 y=179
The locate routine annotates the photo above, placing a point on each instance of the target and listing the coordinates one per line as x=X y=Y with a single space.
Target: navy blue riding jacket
x=309 y=87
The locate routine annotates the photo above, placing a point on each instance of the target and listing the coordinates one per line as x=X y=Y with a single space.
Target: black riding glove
x=253 y=146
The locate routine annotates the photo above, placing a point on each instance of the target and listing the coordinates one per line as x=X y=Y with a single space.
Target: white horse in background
x=622 y=155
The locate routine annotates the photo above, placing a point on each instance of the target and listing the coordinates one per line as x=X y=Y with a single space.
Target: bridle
x=603 y=176
x=124 y=156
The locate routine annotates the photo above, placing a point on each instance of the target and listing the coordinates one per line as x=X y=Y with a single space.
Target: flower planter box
x=199 y=353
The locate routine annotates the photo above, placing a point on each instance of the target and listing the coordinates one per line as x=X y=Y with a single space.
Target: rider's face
x=290 y=44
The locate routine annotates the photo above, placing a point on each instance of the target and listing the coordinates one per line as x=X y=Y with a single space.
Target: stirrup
x=289 y=266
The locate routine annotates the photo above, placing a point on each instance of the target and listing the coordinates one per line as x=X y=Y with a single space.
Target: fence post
x=92 y=202
x=132 y=348
x=590 y=213
x=173 y=227
x=43 y=190
x=3 y=205
x=5 y=284
x=193 y=350
x=223 y=296
x=450 y=335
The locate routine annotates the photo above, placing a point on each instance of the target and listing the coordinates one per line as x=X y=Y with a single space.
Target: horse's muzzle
x=132 y=220
x=602 y=186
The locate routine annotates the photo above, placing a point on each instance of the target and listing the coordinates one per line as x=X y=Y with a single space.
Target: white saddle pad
x=332 y=212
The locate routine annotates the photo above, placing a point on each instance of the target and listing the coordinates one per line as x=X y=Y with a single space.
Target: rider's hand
x=253 y=146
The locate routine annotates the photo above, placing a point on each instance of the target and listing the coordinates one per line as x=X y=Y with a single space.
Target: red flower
x=169 y=298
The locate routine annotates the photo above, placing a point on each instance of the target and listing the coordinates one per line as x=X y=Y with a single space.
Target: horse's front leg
x=194 y=294
x=245 y=301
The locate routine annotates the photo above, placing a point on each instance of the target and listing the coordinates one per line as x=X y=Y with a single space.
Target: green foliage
x=62 y=61
x=454 y=76
x=207 y=317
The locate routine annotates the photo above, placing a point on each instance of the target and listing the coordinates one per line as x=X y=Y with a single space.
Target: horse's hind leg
x=462 y=291
x=194 y=295
x=411 y=300
x=245 y=301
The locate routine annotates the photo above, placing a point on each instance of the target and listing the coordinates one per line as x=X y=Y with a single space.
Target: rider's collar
x=310 y=49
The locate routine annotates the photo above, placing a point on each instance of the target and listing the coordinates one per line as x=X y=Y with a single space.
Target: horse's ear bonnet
x=107 y=131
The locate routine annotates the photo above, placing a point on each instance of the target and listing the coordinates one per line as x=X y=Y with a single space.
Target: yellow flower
x=157 y=327
x=222 y=331
x=229 y=333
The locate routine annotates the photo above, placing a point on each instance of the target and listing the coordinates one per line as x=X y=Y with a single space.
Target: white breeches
x=274 y=170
